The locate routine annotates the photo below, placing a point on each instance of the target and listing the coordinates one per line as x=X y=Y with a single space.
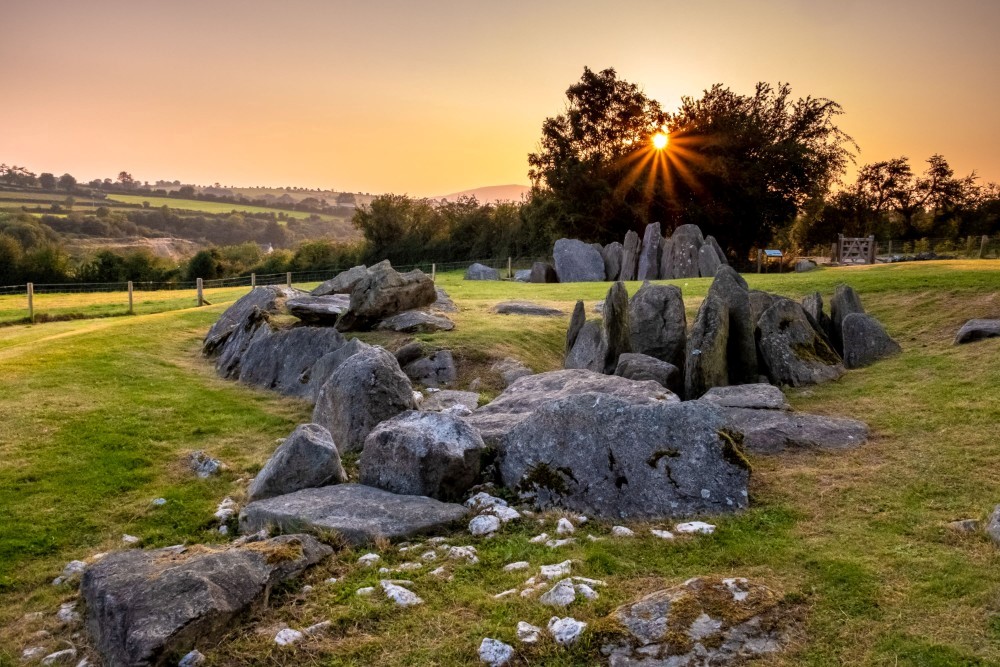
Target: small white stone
x=438 y=540
x=560 y=595
x=418 y=397
x=695 y=527
x=495 y=653
x=97 y=557
x=704 y=626
x=224 y=514
x=510 y=591
x=528 y=633
x=432 y=390
x=504 y=513
x=59 y=657
x=287 y=637
x=369 y=559
x=57 y=581
x=589 y=582
x=223 y=530
x=129 y=539
x=582 y=519
x=662 y=534
x=484 y=524
x=366 y=591
x=384 y=570
x=192 y=659
x=531 y=590
x=467 y=553
x=67 y=615
x=736 y=587
x=159 y=502
x=518 y=565
x=565 y=631
x=307 y=589
x=429 y=556
x=594 y=538
x=531 y=581
x=317 y=628
x=86 y=663
x=401 y=596
x=586 y=591
x=330 y=580
x=622 y=531
x=538 y=539
x=565 y=527
x=553 y=544
x=438 y=572
x=409 y=566
x=557 y=570
x=458 y=410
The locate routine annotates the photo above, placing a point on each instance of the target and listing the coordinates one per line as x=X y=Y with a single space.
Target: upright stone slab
x=813 y=305
x=686 y=242
x=576 y=322
x=541 y=272
x=667 y=259
x=577 y=261
x=866 y=341
x=741 y=347
x=612 y=254
x=590 y=348
x=630 y=256
x=616 y=326
x=705 y=365
x=307 y=458
x=658 y=323
x=708 y=261
x=710 y=240
x=845 y=301
x=649 y=257
x=791 y=350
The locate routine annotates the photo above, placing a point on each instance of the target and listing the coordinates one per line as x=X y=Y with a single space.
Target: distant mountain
x=491 y=193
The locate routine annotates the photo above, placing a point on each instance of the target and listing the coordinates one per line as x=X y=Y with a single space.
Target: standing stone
x=577 y=261
x=616 y=326
x=705 y=364
x=845 y=301
x=576 y=322
x=686 y=244
x=364 y=391
x=307 y=458
x=759 y=302
x=791 y=350
x=590 y=348
x=710 y=240
x=741 y=348
x=708 y=261
x=612 y=255
x=423 y=454
x=813 y=305
x=667 y=259
x=542 y=272
x=865 y=341
x=630 y=256
x=649 y=258
x=658 y=323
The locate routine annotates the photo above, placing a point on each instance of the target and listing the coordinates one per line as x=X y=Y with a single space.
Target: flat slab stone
x=760 y=396
x=449 y=398
x=526 y=308
x=319 y=309
x=416 y=321
x=974 y=330
x=773 y=431
x=359 y=513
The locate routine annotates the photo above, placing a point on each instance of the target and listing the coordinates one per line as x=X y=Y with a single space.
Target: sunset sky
x=429 y=98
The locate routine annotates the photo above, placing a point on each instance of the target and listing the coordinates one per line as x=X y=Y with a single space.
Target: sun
x=659 y=141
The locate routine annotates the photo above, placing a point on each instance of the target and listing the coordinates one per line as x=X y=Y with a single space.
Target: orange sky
x=429 y=98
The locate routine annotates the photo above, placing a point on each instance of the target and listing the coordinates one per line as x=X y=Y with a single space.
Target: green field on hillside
x=99 y=416
x=207 y=206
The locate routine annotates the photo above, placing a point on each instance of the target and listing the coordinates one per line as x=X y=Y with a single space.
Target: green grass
x=98 y=416
x=206 y=206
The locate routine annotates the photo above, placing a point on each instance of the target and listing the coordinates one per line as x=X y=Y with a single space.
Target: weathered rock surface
x=436 y=370
x=865 y=341
x=612 y=254
x=658 y=323
x=630 y=256
x=522 y=275
x=146 y=607
x=364 y=391
x=773 y=431
x=805 y=265
x=542 y=272
x=974 y=330
x=447 y=399
x=705 y=363
x=342 y=283
x=576 y=322
x=528 y=394
x=510 y=370
x=757 y=396
x=845 y=301
x=319 y=310
x=269 y=300
x=307 y=458
x=710 y=240
x=526 y=308
x=610 y=458
x=741 y=346
x=481 y=272
x=359 y=513
x=577 y=261
x=416 y=321
x=704 y=621
x=590 y=348
x=683 y=260
x=759 y=302
x=383 y=292
x=649 y=256
x=708 y=261
x=636 y=366
x=443 y=303
x=791 y=350
x=993 y=525
x=617 y=332
x=423 y=454
x=813 y=305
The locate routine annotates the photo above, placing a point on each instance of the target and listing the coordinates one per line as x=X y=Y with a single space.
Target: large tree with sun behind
x=739 y=166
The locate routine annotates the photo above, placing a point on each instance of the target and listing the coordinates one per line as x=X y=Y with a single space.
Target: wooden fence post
x=871 y=249
x=982 y=246
x=510 y=272
x=253 y=280
x=433 y=272
x=31 y=302
x=890 y=246
x=760 y=259
x=288 y=279
x=201 y=294
x=130 y=309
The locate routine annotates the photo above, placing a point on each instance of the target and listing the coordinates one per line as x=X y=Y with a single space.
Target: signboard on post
x=773 y=253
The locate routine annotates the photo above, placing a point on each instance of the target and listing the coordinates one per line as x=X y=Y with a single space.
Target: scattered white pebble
x=566 y=631
x=528 y=633
x=409 y=566
x=366 y=591
x=287 y=637
x=418 y=398
x=32 y=653
x=73 y=568
x=401 y=596
x=439 y=572
x=66 y=655
x=223 y=530
x=622 y=531
x=557 y=570
x=467 y=553
x=538 y=539
x=330 y=580
x=438 y=540
x=484 y=524
x=428 y=556
x=317 y=628
x=594 y=538
x=192 y=659
x=662 y=534
x=159 y=502
x=518 y=565
x=384 y=570
x=432 y=390
x=307 y=589
x=495 y=653
x=86 y=663
x=582 y=519
x=506 y=593
x=695 y=527
x=57 y=581
x=586 y=591
x=369 y=559
x=560 y=595
x=553 y=544
x=589 y=582
x=504 y=513
x=565 y=527
x=67 y=615
x=129 y=539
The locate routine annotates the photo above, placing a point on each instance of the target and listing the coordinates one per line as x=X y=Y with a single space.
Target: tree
x=67 y=182
x=126 y=180
x=204 y=264
x=47 y=181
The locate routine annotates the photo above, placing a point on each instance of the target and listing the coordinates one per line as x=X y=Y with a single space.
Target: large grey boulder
x=617 y=333
x=658 y=323
x=649 y=256
x=684 y=245
x=269 y=300
x=416 y=321
x=607 y=457
x=704 y=621
x=974 y=330
x=364 y=391
x=705 y=362
x=805 y=265
x=526 y=308
x=360 y=514
x=316 y=377
x=319 y=310
x=541 y=272
x=774 y=431
x=307 y=458
x=435 y=370
x=481 y=272
x=383 y=292
x=590 y=348
x=148 y=607
x=630 y=256
x=845 y=301
x=342 y=283
x=423 y=454
x=741 y=347
x=520 y=401
x=644 y=367
x=757 y=396
x=522 y=275
x=708 y=261
x=865 y=341
x=710 y=240
x=791 y=350
x=612 y=254
x=577 y=261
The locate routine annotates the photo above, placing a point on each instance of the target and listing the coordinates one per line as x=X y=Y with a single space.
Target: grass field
x=206 y=206
x=99 y=415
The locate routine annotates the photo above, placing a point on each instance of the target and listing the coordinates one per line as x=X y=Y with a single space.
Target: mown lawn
x=99 y=415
